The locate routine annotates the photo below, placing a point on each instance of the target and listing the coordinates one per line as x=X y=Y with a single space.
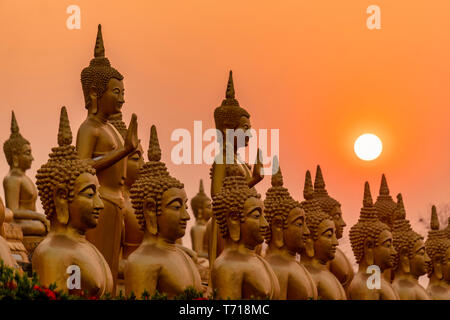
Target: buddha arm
x=86 y=142
x=227 y=282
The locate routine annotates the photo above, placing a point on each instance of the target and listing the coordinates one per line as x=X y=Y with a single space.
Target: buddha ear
x=93 y=96
x=15 y=160
x=200 y=213
x=369 y=245
x=309 y=248
x=234 y=226
x=151 y=221
x=61 y=200
x=278 y=232
x=403 y=260
x=437 y=268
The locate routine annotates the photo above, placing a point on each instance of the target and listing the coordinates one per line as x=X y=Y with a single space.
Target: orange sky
x=309 y=68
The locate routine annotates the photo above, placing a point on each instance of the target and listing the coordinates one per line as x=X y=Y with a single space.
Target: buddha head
x=384 y=205
x=135 y=160
x=201 y=205
x=372 y=240
x=286 y=219
x=229 y=115
x=239 y=210
x=102 y=84
x=159 y=200
x=328 y=205
x=411 y=256
x=17 y=149
x=67 y=186
x=438 y=248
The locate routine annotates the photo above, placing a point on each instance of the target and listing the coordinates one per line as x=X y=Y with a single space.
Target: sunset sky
x=311 y=69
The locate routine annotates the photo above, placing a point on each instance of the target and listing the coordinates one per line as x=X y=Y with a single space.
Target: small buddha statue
x=411 y=260
x=5 y=252
x=132 y=234
x=240 y=273
x=320 y=247
x=101 y=145
x=340 y=266
x=438 y=248
x=286 y=236
x=20 y=191
x=372 y=245
x=229 y=115
x=159 y=201
x=68 y=188
x=202 y=209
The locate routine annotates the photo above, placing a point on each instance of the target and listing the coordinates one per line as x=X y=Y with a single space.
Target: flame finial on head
x=319 y=183
x=384 y=189
x=277 y=177
x=308 y=190
x=230 y=94
x=367 y=202
x=154 y=151
x=64 y=131
x=99 y=51
x=434 y=221
x=201 y=189
x=14 y=125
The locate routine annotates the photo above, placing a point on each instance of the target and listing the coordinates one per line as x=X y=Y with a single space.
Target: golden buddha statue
x=132 y=234
x=202 y=209
x=286 y=236
x=20 y=191
x=159 y=201
x=320 y=247
x=240 y=273
x=411 y=260
x=340 y=266
x=438 y=248
x=372 y=245
x=101 y=145
x=229 y=115
x=5 y=252
x=68 y=189
x=385 y=205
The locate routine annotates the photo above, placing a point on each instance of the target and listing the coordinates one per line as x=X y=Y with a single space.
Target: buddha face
x=419 y=260
x=296 y=233
x=86 y=205
x=134 y=162
x=384 y=252
x=336 y=214
x=254 y=225
x=326 y=243
x=23 y=158
x=113 y=98
x=446 y=266
x=206 y=210
x=244 y=124
x=174 y=216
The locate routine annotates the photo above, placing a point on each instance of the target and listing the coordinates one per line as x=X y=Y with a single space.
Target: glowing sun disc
x=368 y=147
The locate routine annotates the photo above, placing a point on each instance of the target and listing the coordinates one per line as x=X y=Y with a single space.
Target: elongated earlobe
x=151 y=221
x=60 y=198
x=234 y=227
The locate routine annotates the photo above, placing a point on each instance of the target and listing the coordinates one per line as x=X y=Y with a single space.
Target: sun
x=368 y=147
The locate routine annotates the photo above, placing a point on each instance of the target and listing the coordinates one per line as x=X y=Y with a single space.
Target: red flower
x=93 y=298
x=201 y=298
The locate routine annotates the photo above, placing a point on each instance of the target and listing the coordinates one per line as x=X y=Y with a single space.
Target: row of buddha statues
x=120 y=219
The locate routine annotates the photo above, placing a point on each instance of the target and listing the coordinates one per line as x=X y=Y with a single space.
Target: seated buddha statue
x=20 y=191
x=320 y=247
x=340 y=266
x=68 y=188
x=372 y=245
x=286 y=237
x=132 y=234
x=437 y=247
x=240 y=273
x=411 y=260
x=159 y=202
x=202 y=209
x=230 y=116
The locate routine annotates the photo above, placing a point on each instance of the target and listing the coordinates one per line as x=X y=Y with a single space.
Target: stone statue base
x=31 y=242
x=14 y=236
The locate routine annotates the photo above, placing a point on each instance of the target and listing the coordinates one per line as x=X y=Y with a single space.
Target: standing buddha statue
x=101 y=145
x=202 y=209
x=229 y=115
x=68 y=189
x=372 y=244
x=159 y=201
x=340 y=266
x=438 y=248
x=20 y=191
x=286 y=236
x=411 y=260
x=240 y=273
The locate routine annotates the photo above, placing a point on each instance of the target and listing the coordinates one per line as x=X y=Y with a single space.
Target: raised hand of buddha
x=257 y=175
x=131 y=139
